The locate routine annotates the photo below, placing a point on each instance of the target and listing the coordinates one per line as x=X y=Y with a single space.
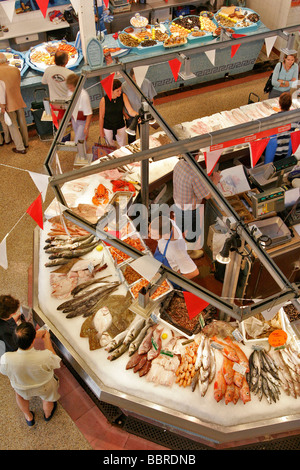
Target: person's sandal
x=52 y=412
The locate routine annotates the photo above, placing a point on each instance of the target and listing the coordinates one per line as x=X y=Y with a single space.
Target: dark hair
x=61 y=58
x=116 y=84
x=8 y=305
x=25 y=333
x=285 y=101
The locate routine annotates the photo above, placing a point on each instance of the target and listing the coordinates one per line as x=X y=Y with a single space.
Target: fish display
x=263 y=377
x=231 y=383
x=288 y=363
x=163 y=367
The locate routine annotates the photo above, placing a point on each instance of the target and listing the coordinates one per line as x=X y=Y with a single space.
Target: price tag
x=277 y=338
x=237 y=335
x=239 y=368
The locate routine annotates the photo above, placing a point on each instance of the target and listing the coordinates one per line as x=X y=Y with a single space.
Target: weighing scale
x=271 y=200
x=267 y=176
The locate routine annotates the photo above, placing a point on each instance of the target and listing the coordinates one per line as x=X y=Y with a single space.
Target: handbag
x=101 y=150
x=268 y=85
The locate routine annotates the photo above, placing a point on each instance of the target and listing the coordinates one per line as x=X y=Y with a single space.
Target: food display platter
x=15 y=59
x=243 y=25
x=41 y=56
x=142 y=39
x=193 y=27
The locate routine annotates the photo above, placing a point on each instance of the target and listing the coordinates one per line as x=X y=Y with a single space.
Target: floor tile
x=76 y=403
x=93 y=424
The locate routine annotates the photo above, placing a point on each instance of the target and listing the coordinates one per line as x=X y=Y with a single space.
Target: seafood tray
x=129 y=275
x=119 y=258
x=138 y=39
x=41 y=56
x=240 y=26
x=15 y=59
x=138 y=285
x=188 y=327
x=280 y=324
x=118 y=197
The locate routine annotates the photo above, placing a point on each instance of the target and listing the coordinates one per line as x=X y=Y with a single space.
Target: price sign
x=277 y=338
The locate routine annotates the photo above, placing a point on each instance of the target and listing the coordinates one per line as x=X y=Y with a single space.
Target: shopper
x=31 y=371
x=14 y=105
x=82 y=115
x=9 y=316
x=111 y=115
x=189 y=192
x=148 y=91
x=5 y=129
x=285 y=75
x=171 y=247
x=55 y=77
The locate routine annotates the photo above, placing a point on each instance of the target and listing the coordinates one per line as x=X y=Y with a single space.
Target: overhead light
x=232 y=243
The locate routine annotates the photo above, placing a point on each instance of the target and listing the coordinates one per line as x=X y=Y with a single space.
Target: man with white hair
x=14 y=105
x=7 y=138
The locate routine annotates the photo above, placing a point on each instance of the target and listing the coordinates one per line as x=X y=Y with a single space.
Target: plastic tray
x=20 y=55
x=39 y=68
x=275 y=228
x=264 y=339
x=248 y=29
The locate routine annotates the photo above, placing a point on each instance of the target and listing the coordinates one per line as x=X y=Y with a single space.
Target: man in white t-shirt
x=56 y=75
x=171 y=247
x=82 y=114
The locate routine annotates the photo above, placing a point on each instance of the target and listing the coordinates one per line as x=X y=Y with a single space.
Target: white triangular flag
x=41 y=182
x=211 y=55
x=147 y=266
x=75 y=5
x=9 y=8
x=3 y=254
x=140 y=74
x=269 y=42
x=211 y=159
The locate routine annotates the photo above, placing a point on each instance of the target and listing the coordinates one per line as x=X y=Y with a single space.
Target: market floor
x=78 y=423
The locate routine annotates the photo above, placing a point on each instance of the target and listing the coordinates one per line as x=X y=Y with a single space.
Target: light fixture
x=131 y=130
x=232 y=243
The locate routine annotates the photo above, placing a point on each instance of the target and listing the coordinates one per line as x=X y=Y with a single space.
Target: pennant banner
x=106 y=2
x=211 y=55
x=9 y=8
x=269 y=42
x=235 y=48
x=3 y=254
x=295 y=138
x=194 y=304
x=140 y=74
x=175 y=65
x=107 y=84
x=36 y=212
x=41 y=182
x=256 y=149
x=211 y=159
x=43 y=5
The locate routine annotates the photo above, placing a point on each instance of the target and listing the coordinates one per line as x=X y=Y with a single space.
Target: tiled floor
x=90 y=420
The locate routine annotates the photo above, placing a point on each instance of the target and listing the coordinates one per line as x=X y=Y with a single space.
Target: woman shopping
x=111 y=115
x=285 y=76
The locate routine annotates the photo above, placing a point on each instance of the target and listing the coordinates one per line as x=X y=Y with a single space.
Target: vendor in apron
x=171 y=248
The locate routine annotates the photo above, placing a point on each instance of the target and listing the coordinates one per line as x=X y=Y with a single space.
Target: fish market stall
x=204 y=381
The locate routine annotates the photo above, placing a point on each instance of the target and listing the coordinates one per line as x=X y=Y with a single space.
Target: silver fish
x=74 y=253
x=69 y=246
x=134 y=345
x=56 y=262
x=85 y=297
x=66 y=238
x=116 y=342
x=118 y=352
x=134 y=331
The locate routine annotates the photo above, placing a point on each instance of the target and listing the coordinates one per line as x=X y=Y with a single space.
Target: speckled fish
x=133 y=331
x=66 y=239
x=118 y=352
x=56 y=248
x=117 y=341
x=74 y=253
x=134 y=345
x=56 y=262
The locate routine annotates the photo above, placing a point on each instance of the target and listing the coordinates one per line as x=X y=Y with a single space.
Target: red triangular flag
x=175 y=65
x=295 y=138
x=54 y=117
x=235 y=48
x=256 y=149
x=194 y=304
x=36 y=212
x=106 y=3
x=43 y=5
x=107 y=84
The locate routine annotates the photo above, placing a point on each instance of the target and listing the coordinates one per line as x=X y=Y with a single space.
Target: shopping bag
x=268 y=85
x=101 y=149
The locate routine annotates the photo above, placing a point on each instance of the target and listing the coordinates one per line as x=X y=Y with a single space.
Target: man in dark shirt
x=9 y=315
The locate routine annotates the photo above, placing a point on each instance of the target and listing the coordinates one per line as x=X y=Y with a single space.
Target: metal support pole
x=144 y=139
x=87 y=26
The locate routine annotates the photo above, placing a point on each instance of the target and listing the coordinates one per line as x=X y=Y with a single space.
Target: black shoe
x=19 y=151
x=7 y=143
x=32 y=422
x=52 y=412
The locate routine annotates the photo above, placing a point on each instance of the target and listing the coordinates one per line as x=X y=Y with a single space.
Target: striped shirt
x=188 y=189
x=283 y=143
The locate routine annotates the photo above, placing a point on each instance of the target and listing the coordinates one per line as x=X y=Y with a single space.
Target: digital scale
x=270 y=175
x=271 y=200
